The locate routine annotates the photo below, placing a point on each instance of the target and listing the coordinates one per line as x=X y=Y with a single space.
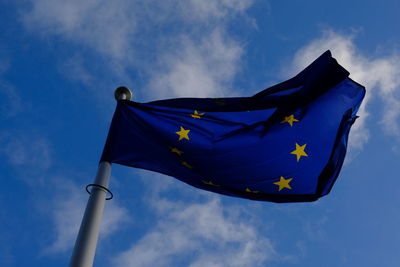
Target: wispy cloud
x=190 y=54
x=200 y=232
x=21 y=147
x=10 y=103
x=31 y=156
x=24 y=149
x=10 y=100
x=97 y=24
x=198 y=10
x=67 y=210
x=112 y=28
x=198 y=69
x=379 y=74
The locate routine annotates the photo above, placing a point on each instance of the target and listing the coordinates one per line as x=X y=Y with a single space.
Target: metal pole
x=86 y=242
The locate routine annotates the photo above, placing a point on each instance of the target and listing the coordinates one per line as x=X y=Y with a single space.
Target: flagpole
x=86 y=242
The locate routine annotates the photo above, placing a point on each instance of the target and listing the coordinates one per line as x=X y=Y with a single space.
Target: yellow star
x=284 y=183
x=290 y=119
x=183 y=134
x=184 y=163
x=299 y=151
x=209 y=183
x=250 y=191
x=196 y=115
x=177 y=151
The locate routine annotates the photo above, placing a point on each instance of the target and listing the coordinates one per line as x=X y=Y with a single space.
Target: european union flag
x=284 y=144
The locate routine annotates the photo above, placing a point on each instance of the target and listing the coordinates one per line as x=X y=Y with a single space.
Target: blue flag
x=284 y=144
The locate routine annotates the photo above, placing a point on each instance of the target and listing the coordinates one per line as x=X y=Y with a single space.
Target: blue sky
x=60 y=62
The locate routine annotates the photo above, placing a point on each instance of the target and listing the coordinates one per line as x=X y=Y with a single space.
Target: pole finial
x=123 y=93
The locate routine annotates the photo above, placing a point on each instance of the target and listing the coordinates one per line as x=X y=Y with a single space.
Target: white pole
x=86 y=242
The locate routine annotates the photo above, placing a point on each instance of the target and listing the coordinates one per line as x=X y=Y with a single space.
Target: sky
x=60 y=62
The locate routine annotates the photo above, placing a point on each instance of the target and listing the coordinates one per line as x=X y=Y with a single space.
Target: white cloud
x=31 y=155
x=26 y=150
x=67 y=210
x=194 y=228
x=105 y=26
x=380 y=76
x=74 y=68
x=202 y=69
x=200 y=234
x=112 y=27
x=10 y=100
x=184 y=42
x=205 y=10
x=316 y=229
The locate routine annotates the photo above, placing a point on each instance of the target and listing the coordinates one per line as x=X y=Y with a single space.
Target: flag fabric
x=284 y=144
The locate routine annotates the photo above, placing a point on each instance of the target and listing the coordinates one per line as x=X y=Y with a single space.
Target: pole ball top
x=123 y=93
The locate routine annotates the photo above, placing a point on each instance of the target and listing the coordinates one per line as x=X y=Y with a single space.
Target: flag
x=284 y=144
